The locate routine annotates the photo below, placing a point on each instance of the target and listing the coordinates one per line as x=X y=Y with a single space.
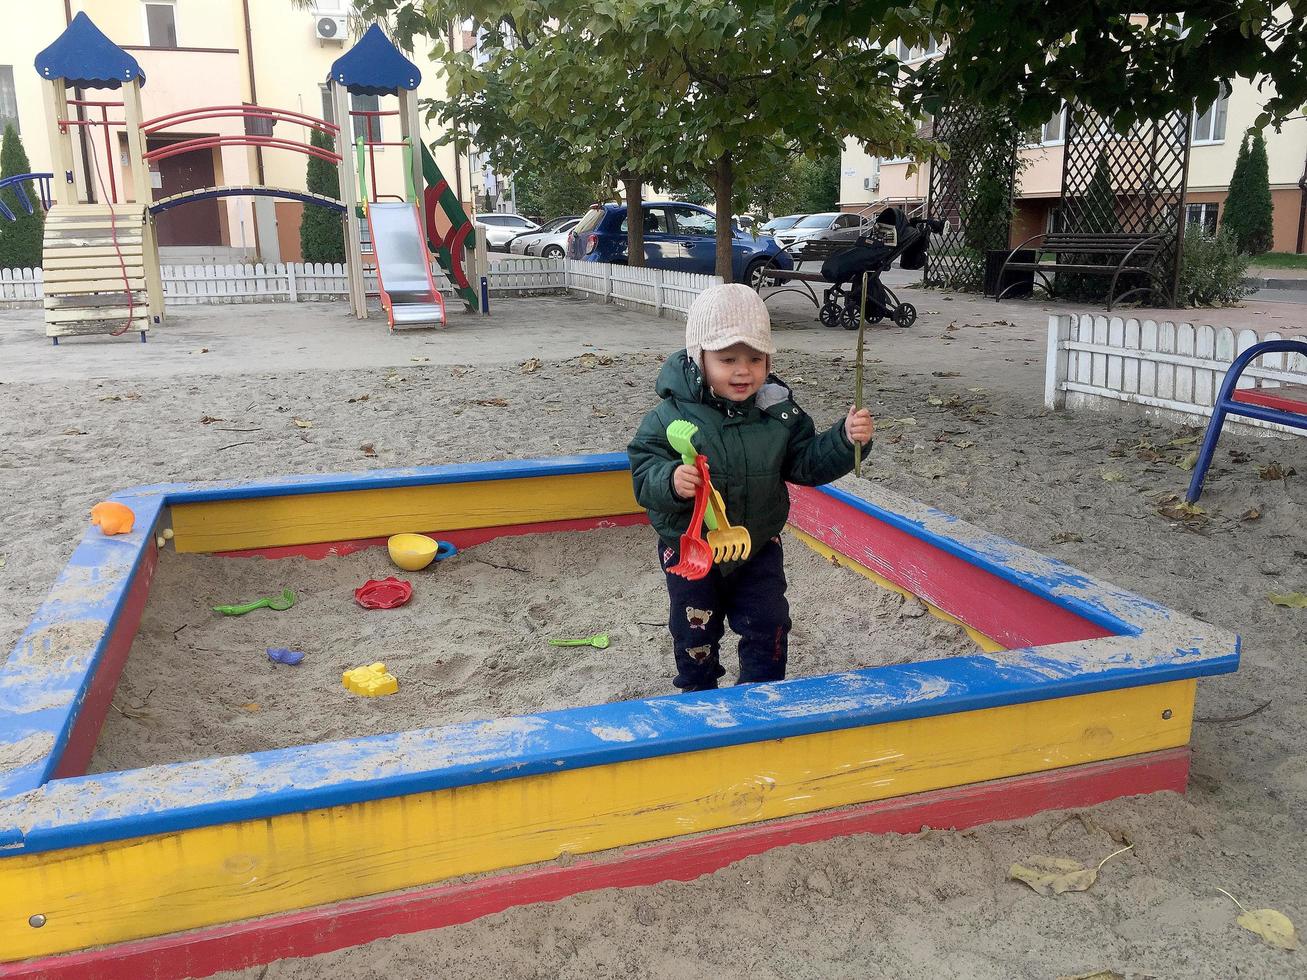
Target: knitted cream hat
x=722 y=316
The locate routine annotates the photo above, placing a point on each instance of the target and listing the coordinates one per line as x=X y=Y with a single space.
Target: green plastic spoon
x=278 y=602
x=599 y=641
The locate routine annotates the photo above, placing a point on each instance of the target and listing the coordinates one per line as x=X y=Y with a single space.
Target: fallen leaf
x=595 y=413
x=588 y=360
x=202 y=350
x=74 y=432
x=2 y=561
x=209 y=420
x=1290 y=600
x=458 y=370
x=1189 y=462
x=1175 y=509
x=1275 y=928
x=1274 y=471
x=360 y=398
x=1054 y=875
x=946 y=374
x=111 y=398
x=302 y=423
x=531 y=366
x=932 y=400
x=419 y=360
x=964 y=443
x=1186 y=441
x=1067 y=537
x=368 y=449
x=1251 y=514
x=491 y=402
x=1112 y=476
x=252 y=706
x=1096 y=975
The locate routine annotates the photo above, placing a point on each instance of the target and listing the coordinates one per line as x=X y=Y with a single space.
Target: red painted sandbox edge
x=203 y=952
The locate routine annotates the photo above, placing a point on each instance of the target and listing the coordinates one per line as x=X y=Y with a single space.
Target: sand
x=1081 y=487
x=471 y=644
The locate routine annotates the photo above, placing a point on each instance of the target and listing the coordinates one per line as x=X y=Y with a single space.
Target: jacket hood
x=682 y=379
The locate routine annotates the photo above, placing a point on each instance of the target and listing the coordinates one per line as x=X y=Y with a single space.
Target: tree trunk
x=723 y=188
x=634 y=221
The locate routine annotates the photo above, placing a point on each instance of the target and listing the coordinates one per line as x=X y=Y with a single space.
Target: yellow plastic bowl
x=412 y=552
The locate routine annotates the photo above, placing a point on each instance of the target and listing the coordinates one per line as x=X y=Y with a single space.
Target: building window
x=365 y=103
x=1054 y=131
x=8 y=99
x=328 y=107
x=1209 y=125
x=161 y=24
x=1202 y=215
x=907 y=53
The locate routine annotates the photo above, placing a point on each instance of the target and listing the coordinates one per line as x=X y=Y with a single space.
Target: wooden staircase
x=86 y=291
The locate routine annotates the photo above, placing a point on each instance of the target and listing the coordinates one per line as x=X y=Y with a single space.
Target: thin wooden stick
x=857 y=373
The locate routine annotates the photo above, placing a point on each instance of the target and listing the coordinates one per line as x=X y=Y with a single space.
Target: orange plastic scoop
x=696 y=555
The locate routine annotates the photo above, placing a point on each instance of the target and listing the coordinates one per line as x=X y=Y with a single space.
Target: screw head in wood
x=1166 y=715
x=36 y=921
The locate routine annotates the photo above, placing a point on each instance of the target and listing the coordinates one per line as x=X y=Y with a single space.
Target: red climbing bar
x=151 y=126
x=270 y=142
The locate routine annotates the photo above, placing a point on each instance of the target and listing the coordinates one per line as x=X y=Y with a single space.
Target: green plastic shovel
x=599 y=641
x=278 y=602
x=680 y=434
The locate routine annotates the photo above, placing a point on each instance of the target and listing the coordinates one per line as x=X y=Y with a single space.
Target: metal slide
x=408 y=293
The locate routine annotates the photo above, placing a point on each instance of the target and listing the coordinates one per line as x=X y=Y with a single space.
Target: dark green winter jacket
x=753 y=447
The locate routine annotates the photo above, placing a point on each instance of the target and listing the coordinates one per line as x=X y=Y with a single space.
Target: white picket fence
x=659 y=291
x=656 y=290
x=1166 y=368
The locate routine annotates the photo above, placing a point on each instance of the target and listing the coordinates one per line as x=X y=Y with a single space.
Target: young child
x=755 y=438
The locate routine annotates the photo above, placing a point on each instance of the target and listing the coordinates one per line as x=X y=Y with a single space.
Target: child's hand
x=858 y=426
x=685 y=481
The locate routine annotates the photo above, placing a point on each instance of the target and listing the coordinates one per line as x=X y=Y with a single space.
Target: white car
x=814 y=224
x=499 y=229
x=549 y=241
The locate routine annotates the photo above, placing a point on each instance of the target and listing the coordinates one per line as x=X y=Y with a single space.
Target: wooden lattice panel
x=94 y=270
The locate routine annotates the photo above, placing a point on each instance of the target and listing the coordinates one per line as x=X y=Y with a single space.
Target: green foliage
x=322 y=233
x=20 y=241
x=816 y=184
x=1213 y=270
x=1248 y=211
x=554 y=191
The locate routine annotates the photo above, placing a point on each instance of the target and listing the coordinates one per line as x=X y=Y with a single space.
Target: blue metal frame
x=279 y=192
x=39 y=700
x=16 y=182
x=1226 y=405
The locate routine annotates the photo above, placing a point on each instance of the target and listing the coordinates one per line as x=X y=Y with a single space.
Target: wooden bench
x=1123 y=253
x=820 y=249
x=776 y=279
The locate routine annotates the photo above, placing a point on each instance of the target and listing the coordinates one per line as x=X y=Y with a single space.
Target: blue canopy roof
x=84 y=58
x=374 y=66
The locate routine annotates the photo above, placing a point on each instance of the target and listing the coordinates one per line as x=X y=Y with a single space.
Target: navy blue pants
x=751 y=597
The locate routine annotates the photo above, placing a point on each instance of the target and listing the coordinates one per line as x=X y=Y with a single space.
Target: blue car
x=677 y=236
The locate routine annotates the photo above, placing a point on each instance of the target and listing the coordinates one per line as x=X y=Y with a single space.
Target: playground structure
x=101 y=260
x=1081 y=693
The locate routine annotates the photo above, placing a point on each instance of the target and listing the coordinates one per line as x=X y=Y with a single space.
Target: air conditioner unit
x=871 y=183
x=329 y=28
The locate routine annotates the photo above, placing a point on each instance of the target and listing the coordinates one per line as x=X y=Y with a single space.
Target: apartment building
x=199 y=53
x=1215 y=133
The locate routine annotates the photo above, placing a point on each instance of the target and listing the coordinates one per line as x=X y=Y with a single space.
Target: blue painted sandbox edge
x=114 y=806
x=43 y=700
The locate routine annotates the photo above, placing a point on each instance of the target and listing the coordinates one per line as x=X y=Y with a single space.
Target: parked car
x=780 y=223
x=549 y=241
x=499 y=228
x=677 y=236
x=814 y=224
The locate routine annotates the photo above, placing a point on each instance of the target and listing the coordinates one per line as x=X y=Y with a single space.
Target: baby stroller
x=843 y=300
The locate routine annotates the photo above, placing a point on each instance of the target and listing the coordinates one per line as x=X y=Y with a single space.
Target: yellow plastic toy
x=371 y=681
x=412 y=552
x=113 y=517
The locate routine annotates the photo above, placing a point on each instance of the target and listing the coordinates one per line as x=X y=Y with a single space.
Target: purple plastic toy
x=281 y=655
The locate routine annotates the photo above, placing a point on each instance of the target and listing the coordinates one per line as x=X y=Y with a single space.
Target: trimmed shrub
x=322 y=233
x=20 y=241
x=1248 y=209
x=1213 y=269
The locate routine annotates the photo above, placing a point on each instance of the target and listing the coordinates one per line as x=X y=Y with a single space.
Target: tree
x=816 y=183
x=553 y=191
x=1127 y=59
x=322 y=235
x=664 y=90
x=20 y=240
x=1248 y=209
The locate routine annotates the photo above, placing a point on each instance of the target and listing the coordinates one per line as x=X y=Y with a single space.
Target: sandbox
x=1081 y=693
